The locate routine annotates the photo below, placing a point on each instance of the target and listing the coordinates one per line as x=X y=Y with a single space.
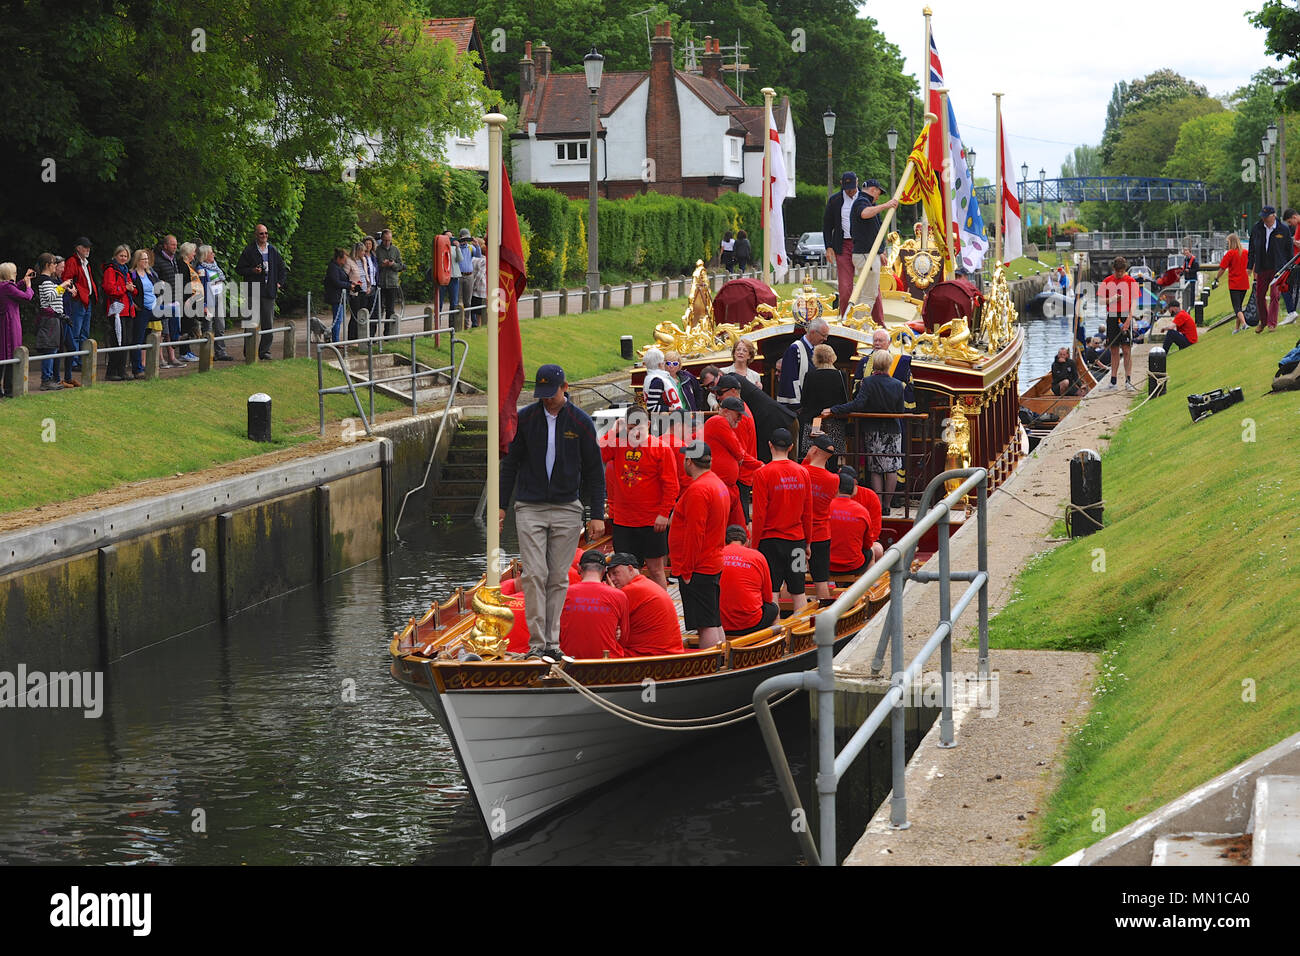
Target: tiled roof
x=751 y=119
x=460 y=30
x=716 y=96
x=561 y=103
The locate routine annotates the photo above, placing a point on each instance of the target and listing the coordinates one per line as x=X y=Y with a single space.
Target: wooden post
x=627 y=293
x=205 y=353
x=564 y=301
x=88 y=367
x=605 y=296
x=290 y=339
x=152 y=347
x=22 y=372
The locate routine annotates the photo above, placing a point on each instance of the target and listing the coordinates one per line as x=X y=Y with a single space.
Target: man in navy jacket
x=554 y=472
x=1270 y=250
x=838 y=235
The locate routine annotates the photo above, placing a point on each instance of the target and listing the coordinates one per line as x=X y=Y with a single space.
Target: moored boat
x=1042 y=409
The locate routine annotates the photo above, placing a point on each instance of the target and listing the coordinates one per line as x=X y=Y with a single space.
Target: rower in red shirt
x=729 y=387
x=1183 y=334
x=853 y=541
x=746 y=604
x=695 y=541
x=825 y=486
x=730 y=460
x=596 y=615
x=652 y=617
x=868 y=499
x=782 y=524
x=641 y=485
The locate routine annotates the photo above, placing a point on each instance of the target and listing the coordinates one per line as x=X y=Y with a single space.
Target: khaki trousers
x=548 y=536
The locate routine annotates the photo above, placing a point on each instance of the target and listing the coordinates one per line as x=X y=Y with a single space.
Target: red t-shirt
x=782 y=503
x=654 y=628
x=518 y=637
x=746 y=586
x=871 y=501
x=825 y=486
x=730 y=461
x=851 y=535
x=1118 y=294
x=675 y=445
x=594 y=616
x=699 y=526
x=1234 y=260
x=749 y=441
x=640 y=482
x=1187 y=325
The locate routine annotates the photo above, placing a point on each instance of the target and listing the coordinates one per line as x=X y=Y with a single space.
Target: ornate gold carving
x=952 y=340
x=699 y=334
x=999 y=314
x=957 y=438
x=487 y=638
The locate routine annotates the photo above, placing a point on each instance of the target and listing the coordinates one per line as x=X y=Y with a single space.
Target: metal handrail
x=442 y=423
x=833 y=766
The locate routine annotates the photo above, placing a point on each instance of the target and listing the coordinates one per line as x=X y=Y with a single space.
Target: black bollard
x=1085 y=493
x=625 y=344
x=1156 y=376
x=259 y=417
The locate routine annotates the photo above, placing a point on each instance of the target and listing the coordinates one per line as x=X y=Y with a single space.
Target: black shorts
x=1238 y=297
x=1115 y=334
x=820 y=561
x=786 y=562
x=700 y=598
x=766 y=619
x=644 y=542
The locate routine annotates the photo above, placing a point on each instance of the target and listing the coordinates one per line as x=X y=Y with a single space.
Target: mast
x=768 y=94
x=925 y=219
x=495 y=123
x=997 y=152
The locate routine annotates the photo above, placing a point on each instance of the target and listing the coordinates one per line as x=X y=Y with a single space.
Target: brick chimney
x=711 y=61
x=543 y=60
x=526 y=78
x=663 y=132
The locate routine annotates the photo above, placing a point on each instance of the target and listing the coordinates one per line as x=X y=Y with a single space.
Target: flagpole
x=909 y=170
x=768 y=94
x=495 y=123
x=925 y=219
x=945 y=177
x=997 y=100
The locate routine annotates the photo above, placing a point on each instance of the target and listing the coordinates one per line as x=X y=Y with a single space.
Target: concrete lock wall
x=89 y=590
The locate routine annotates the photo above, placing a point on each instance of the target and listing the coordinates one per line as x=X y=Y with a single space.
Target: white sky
x=1056 y=64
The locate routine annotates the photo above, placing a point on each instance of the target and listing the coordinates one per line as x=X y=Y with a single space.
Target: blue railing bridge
x=1079 y=189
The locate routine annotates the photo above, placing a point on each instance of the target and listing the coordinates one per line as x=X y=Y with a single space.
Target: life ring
x=441 y=259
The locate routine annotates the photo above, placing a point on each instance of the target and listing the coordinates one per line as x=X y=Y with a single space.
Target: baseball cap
x=465 y=234
x=698 y=451
x=727 y=382
x=594 y=557
x=549 y=380
x=732 y=403
x=82 y=241
x=872 y=183
x=1267 y=211
x=781 y=438
x=849 y=179
x=622 y=557
x=823 y=442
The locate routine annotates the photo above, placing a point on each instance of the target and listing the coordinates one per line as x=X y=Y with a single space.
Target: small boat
x=1041 y=409
x=1049 y=304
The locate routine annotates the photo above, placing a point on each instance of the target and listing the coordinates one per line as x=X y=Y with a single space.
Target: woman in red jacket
x=1234 y=263
x=119 y=287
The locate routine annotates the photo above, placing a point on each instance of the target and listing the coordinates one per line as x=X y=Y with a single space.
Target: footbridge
x=1077 y=189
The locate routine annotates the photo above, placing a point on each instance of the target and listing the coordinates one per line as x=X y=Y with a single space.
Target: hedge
x=328 y=220
x=804 y=210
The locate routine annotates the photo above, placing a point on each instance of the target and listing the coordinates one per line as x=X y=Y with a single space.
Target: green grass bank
x=67 y=444
x=1190 y=593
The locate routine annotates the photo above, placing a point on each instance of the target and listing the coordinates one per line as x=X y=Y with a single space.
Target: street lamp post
x=1263 y=182
x=1276 y=182
x=1042 y=201
x=828 y=122
x=1279 y=86
x=593 y=64
x=1024 y=195
x=1266 y=148
x=891 y=140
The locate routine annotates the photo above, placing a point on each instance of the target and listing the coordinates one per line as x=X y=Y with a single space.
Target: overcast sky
x=1057 y=67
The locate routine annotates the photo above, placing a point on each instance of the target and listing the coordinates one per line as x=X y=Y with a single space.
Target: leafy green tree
x=1084 y=161
x=1148 y=135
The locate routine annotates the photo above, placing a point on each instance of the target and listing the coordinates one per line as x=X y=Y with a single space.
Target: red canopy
x=738 y=300
x=949 y=299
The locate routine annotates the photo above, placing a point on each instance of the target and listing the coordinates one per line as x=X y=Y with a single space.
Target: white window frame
x=577 y=146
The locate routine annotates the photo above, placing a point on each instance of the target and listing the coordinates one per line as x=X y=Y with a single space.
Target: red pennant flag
x=510 y=350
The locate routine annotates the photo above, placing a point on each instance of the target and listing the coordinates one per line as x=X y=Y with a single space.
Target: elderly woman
x=214 y=300
x=742 y=353
x=660 y=387
x=882 y=394
x=688 y=386
x=12 y=293
x=822 y=387
x=119 y=286
x=192 y=294
x=143 y=301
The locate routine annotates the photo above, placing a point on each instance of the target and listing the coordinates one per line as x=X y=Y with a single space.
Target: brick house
x=663 y=130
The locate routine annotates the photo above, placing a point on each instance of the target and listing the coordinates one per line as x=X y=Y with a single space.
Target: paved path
x=977 y=802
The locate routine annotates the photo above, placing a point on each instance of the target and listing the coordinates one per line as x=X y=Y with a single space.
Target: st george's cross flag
x=774 y=216
x=1009 y=205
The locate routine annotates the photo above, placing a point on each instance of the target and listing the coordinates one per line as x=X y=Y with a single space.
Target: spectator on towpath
x=214 y=302
x=80 y=299
x=168 y=290
x=262 y=265
x=390 y=262
x=49 y=324
x=118 y=287
x=13 y=292
x=337 y=286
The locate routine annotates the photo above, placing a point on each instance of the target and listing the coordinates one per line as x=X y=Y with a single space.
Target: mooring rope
x=661 y=723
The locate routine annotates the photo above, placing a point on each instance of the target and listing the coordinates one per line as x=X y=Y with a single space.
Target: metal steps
x=462 y=476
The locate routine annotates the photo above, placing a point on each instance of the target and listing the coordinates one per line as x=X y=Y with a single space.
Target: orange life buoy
x=442 y=259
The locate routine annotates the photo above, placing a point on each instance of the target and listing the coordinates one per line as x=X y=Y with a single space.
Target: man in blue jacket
x=554 y=472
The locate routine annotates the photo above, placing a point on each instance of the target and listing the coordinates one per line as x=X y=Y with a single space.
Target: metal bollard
x=1156 y=380
x=259 y=417
x=625 y=346
x=1085 y=494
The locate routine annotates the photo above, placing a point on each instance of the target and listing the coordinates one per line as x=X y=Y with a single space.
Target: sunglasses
x=672 y=364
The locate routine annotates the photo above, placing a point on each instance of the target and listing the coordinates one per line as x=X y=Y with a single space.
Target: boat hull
x=527 y=752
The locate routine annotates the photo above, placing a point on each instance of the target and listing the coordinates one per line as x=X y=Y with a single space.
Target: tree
x=1199 y=150
x=1148 y=135
x=1114 y=113
x=1084 y=161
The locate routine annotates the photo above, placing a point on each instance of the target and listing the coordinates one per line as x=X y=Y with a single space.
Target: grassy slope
x=586 y=345
x=113 y=434
x=1199 y=594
